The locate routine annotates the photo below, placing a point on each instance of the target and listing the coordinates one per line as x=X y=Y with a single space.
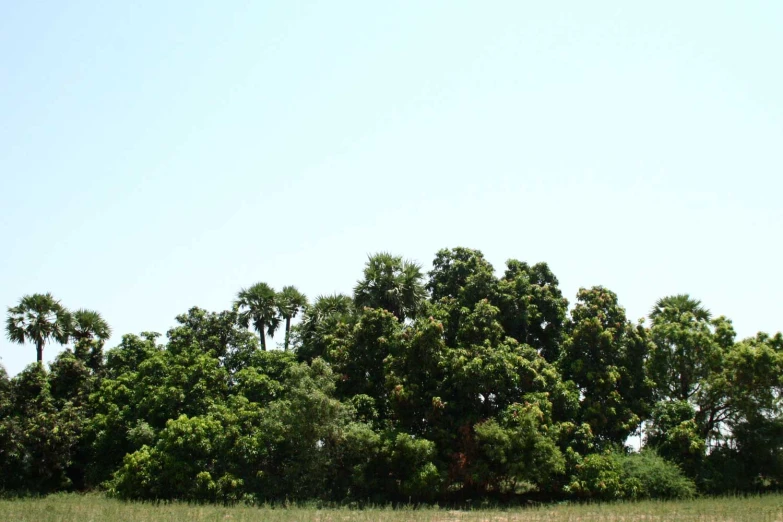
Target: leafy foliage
x=614 y=476
x=462 y=387
x=605 y=355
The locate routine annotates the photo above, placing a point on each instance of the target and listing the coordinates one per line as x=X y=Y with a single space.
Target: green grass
x=93 y=508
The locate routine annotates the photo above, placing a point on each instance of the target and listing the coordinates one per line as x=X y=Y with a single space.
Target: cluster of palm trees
x=265 y=309
x=40 y=319
x=389 y=282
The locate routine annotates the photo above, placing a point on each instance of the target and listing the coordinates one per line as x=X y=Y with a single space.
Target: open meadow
x=94 y=508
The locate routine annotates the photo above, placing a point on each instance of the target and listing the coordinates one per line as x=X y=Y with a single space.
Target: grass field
x=93 y=508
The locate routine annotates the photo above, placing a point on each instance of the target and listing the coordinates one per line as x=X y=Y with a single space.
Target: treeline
x=456 y=386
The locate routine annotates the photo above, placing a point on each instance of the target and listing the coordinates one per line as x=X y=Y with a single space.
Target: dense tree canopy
x=604 y=354
x=453 y=386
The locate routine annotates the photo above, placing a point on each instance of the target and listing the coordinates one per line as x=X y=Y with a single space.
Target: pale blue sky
x=160 y=155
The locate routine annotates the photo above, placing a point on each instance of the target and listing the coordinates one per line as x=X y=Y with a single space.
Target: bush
x=636 y=476
x=599 y=477
x=652 y=476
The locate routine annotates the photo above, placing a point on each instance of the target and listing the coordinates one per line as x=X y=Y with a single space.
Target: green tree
x=686 y=349
x=460 y=278
x=38 y=319
x=328 y=316
x=605 y=355
x=88 y=324
x=740 y=411
x=392 y=284
x=90 y=331
x=359 y=356
x=462 y=274
x=122 y=421
x=686 y=362
x=290 y=302
x=532 y=307
x=517 y=450
x=676 y=436
x=216 y=334
x=415 y=375
x=37 y=438
x=455 y=392
x=696 y=360
x=257 y=305
x=147 y=385
x=69 y=380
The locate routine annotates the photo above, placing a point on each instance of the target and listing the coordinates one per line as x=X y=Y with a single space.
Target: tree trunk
x=261 y=333
x=287 y=331
x=39 y=351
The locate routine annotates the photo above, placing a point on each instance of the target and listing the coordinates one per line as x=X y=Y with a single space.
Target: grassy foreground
x=93 y=508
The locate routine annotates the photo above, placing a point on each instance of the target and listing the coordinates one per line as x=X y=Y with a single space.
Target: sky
x=156 y=156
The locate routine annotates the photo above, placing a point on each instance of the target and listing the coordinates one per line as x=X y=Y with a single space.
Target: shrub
x=652 y=476
x=635 y=476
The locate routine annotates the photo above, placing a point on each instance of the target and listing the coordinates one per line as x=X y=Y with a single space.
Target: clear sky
x=160 y=155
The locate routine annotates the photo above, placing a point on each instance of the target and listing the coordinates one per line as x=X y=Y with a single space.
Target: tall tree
x=687 y=346
x=38 y=319
x=460 y=279
x=605 y=355
x=290 y=301
x=462 y=274
x=698 y=368
x=258 y=305
x=88 y=324
x=90 y=331
x=393 y=284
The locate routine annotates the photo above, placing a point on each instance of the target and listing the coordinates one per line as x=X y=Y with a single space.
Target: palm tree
x=321 y=318
x=90 y=331
x=38 y=318
x=685 y=350
x=88 y=325
x=290 y=302
x=339 y=305
x=257 y=305
x=674 y=307
x=393 y=284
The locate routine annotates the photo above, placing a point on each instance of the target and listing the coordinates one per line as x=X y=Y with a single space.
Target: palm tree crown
x=678 y=308
x=38 y=318
x=393 y=284
x=258 y=305
x=88 y=324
